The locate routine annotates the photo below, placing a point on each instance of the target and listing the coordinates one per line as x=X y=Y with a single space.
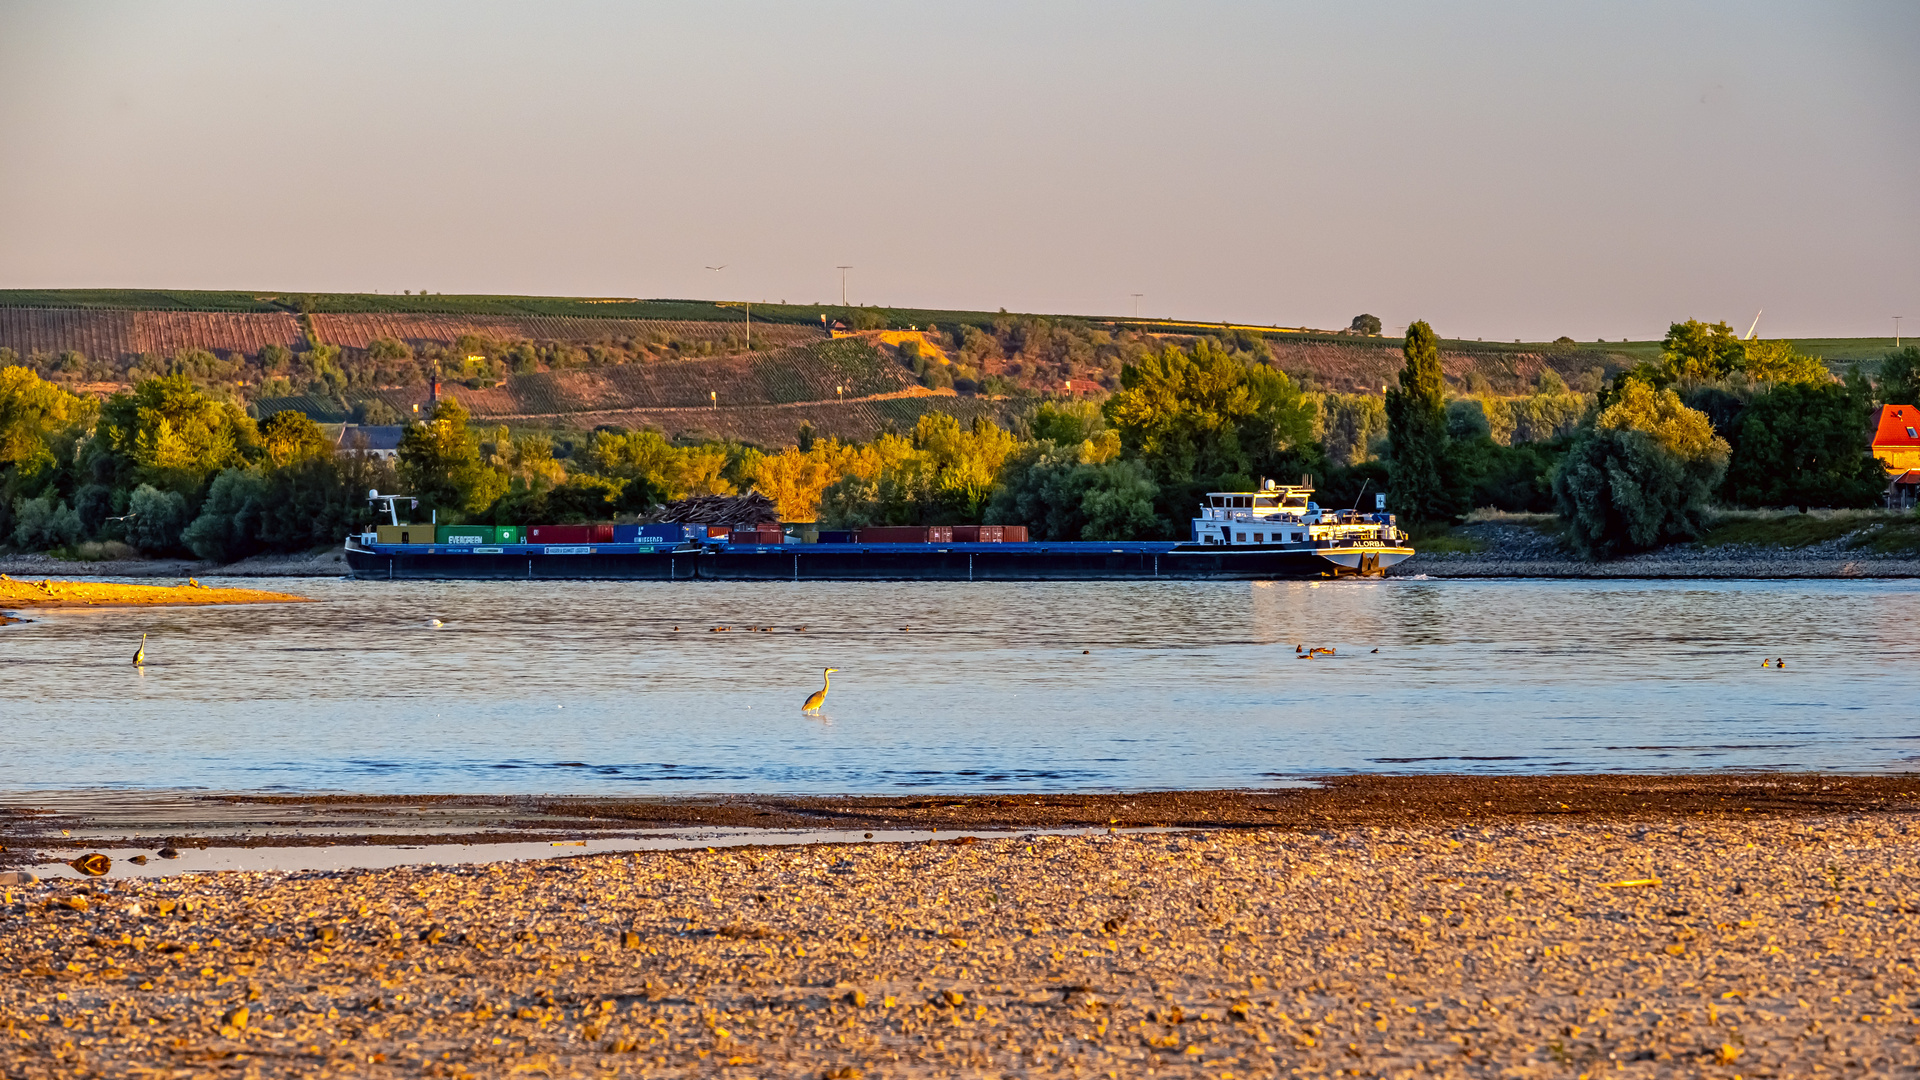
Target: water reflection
x=588 y=687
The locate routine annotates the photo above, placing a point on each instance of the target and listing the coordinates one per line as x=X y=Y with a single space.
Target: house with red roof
x=1896 y=442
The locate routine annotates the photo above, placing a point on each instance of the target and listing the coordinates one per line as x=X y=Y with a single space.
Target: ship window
x=1258 y=538
x=1242 y=537
x=1242 y=501
x=1264 y=502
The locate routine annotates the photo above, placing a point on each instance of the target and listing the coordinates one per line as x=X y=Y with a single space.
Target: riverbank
x=1714 y=931
x=327 y=562
x=47 y=593
x=56 y=822
x=1502 y=549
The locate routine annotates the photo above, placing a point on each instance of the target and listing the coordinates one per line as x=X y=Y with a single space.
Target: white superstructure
x=1286 y=517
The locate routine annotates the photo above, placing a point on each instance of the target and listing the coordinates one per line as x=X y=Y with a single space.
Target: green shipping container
x=463 y=535
x=508 y=534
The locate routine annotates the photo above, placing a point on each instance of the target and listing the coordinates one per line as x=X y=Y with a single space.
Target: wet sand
x=1456 y=926
x=252 y=820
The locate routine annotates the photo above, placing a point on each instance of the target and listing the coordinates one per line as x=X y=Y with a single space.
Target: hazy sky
x=1503 y=170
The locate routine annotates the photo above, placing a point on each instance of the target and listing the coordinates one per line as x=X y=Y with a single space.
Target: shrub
x=41 y=523
x=1641 y=476
x=158 y=519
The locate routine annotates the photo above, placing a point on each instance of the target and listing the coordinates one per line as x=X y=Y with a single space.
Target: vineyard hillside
x=361 y=331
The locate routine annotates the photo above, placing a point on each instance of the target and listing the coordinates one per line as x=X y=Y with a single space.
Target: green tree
x=170 y=434
x=228 y=526
x=44 y=523
x=1417 y=434
x=440 y=462
x=1642 y=475
x=1366 y=324
x=1207 y=420
x=1899 y=382
x=1805 y=444
x=1694 y=351
x=289 y=436
x=158 y=518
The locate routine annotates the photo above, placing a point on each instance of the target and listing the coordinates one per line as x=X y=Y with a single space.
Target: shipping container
x=508 y=534
x=559 y=534
x=602 y=534
x=463 y=535
x=405 y=534
x=894 y=534
x=939 y=534
x=718 y=532
x=1013 y=534
x=665 y=531
x=835 y=536
x=758 y=536
x=978 y=534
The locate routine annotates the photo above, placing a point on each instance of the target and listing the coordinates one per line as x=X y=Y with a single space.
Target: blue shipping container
x=830 y=536
x=626 y=534
x=671 y=531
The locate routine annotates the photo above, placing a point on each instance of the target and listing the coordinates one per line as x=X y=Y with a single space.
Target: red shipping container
x=939 y=534
x=602 y=534
x=758 y=536
x=1013 y=534
x=717 y=532
x=894 y=534
x=560 y=534
x=976 y=534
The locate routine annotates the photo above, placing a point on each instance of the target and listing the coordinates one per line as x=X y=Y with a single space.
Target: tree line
x=172 y=466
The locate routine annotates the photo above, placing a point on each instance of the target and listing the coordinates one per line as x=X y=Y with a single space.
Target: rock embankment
x=1520 y=551
x=327 y=563
x=1649 y=946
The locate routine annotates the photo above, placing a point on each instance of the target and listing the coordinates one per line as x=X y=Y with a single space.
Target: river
x=589 y=688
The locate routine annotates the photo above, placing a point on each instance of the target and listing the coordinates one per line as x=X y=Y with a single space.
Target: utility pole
x=1136 y=304
x=843 y=283
x=1896 y=330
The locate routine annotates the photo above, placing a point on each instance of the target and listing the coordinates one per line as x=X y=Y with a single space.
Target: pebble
x=1643 y=945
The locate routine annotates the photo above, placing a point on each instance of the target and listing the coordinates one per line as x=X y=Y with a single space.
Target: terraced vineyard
x=116 y=335
x=165 y=332
x=359 y=331
x=50 y=331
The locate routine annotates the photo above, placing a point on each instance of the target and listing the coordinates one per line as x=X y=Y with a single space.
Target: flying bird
x=140 y=654
x=819 y=697
x=720 y=267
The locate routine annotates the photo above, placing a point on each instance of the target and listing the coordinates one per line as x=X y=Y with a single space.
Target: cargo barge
x=1272 y=533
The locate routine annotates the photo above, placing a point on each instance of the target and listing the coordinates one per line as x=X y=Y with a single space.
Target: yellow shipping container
x=406 y=534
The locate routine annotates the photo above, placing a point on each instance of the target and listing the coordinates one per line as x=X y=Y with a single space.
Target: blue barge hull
x=864 y=562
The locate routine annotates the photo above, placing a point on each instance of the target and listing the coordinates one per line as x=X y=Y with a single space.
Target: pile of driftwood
x=745 y=511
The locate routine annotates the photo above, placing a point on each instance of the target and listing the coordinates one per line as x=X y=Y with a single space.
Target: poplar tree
x=1417 y=433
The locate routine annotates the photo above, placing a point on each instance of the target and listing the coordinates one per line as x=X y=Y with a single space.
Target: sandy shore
x=47 y=593
x=1717 y=937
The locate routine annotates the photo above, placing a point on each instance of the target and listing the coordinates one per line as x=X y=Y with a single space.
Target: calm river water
x=589 y=688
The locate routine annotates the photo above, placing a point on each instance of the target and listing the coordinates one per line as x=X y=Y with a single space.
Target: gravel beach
x=1516 y=551
x=1722 y=936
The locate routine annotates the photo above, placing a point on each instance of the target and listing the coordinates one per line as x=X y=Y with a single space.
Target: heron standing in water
x=140 y=654
x=819 y=697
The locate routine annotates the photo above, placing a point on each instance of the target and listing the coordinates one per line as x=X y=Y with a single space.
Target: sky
x=1502 y=170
